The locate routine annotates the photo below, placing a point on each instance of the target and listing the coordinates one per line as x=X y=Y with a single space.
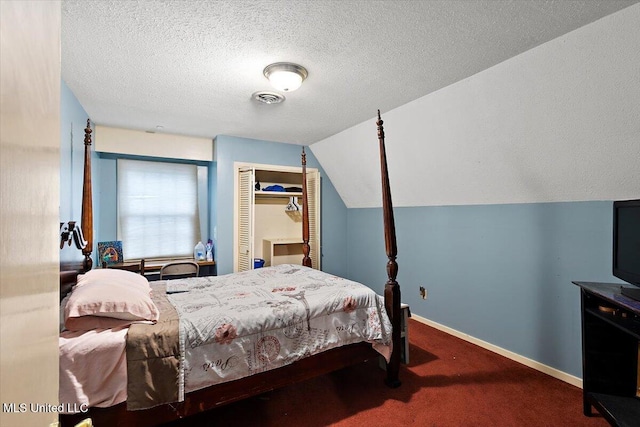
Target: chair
x=180 y=269
x=136 y=268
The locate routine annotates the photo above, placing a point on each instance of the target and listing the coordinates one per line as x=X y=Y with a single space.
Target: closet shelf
x=259 y=193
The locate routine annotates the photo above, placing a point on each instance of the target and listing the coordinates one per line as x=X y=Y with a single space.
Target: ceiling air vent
x=268 y=97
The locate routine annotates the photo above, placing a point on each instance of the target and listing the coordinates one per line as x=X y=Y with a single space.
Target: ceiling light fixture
x=285 y=76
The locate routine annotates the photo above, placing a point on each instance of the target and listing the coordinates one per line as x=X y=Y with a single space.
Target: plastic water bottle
x=198 y=252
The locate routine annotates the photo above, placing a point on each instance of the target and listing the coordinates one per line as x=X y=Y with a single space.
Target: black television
x=626 y=245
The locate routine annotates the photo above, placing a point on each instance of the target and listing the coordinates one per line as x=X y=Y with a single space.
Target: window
x=157 y=209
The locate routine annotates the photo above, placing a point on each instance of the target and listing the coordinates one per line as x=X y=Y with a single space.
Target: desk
x=155 y=266
x=152 y=268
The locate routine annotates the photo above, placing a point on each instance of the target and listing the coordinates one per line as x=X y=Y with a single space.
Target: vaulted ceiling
x=191 y=67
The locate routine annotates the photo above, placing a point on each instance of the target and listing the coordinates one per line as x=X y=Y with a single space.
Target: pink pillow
x=106 y=276
x=107 y=298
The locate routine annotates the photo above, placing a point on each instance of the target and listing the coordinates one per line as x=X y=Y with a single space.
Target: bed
x=193 y=367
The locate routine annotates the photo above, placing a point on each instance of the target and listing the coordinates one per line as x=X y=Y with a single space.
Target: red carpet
x=449 y=382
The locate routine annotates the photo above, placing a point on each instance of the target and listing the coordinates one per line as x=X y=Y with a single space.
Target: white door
x=313 y=199
x=246 y=184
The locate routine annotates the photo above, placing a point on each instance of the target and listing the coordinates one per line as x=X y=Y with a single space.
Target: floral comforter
x=236 y=325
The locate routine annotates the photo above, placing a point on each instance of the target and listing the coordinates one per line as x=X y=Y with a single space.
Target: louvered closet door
x=313 y=199
x=245 y=220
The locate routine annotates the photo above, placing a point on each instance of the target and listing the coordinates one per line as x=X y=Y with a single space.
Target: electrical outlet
x=423 y=292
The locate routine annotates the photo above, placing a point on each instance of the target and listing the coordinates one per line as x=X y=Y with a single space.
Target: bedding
x=153 y=357
x=240 y=324
x=217 y=329
x=104 y=367
x=93 y=367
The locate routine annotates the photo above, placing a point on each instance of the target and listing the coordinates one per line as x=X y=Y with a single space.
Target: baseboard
x=563 y=376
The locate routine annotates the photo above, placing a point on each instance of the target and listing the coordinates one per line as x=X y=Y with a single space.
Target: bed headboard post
x=87 y=201
x=306 y=260
x=391 y=288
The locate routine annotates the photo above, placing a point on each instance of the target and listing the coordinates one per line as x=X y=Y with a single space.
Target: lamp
x=285 y=76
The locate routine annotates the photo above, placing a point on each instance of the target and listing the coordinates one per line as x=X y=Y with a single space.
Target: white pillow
x=108 y=298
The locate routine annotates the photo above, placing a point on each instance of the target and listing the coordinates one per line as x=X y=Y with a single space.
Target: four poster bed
x=331 y=322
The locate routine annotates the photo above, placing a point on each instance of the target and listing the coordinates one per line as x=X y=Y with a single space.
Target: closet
x=268 y=215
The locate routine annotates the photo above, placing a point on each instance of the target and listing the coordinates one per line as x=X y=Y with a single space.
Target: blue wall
x=500 y=273
x=73 y=120
x=333 y=226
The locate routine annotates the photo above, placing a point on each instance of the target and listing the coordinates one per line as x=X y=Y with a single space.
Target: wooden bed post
x=306 y=261
x=391 y=288
x=87 y=201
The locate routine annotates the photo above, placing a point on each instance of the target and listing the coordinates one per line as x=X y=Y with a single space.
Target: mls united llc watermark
x=65 y=408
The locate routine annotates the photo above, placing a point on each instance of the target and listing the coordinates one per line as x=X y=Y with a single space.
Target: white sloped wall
x=557 y=123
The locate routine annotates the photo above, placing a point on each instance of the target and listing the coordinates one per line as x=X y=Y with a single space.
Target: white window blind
x=157 y=209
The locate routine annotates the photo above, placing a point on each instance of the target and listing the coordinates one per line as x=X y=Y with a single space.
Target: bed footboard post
x=391 y=288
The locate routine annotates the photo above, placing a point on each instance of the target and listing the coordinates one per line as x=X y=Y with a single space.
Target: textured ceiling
x=192 y=66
